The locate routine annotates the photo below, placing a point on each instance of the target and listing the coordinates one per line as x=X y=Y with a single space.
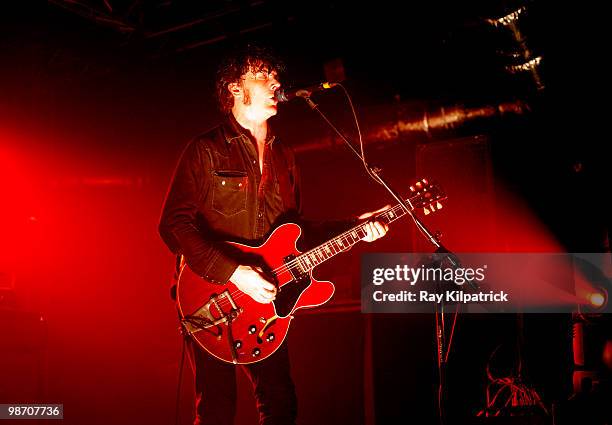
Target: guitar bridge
x=212 y=314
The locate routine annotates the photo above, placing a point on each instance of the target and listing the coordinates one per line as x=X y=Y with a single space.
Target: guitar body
x=233 y=327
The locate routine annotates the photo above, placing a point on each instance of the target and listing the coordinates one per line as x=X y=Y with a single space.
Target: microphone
x=282 y=95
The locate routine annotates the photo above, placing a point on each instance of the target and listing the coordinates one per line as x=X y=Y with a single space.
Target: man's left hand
x=374 y=229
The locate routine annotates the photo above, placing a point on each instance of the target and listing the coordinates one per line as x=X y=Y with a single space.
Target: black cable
x=443 y=351
x=442 y=355
x=180 y=381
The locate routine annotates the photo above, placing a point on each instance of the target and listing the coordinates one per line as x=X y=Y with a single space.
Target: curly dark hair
x=239 y=62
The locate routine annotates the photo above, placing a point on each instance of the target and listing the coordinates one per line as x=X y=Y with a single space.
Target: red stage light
x=607 y=355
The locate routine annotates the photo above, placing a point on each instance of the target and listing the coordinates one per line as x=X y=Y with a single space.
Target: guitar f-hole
x=269 y=323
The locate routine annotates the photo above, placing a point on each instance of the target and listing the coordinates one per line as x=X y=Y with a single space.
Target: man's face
x=256 y=97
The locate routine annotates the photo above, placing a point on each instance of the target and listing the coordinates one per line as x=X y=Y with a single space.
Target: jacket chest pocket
x=229 y=191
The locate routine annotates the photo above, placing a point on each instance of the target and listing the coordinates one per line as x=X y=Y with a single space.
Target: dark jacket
x=218 y=193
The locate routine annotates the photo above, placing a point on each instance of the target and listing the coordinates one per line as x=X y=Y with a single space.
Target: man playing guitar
x=238 y=183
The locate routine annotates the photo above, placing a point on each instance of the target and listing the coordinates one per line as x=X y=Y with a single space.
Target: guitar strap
x=178 y=266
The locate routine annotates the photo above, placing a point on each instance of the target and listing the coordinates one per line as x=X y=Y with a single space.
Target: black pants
x=215 y=387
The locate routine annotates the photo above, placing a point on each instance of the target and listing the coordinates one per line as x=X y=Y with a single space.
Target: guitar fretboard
x=310 y=259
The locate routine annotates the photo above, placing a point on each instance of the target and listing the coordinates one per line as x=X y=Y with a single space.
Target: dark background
x=97 y=100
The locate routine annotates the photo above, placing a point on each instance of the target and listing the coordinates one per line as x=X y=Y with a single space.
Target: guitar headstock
x=427 y=195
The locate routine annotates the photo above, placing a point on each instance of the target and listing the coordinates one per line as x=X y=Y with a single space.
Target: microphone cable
x=359 y=135
x=443 y=356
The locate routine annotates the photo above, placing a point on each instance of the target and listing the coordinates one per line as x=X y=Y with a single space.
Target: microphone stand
x=439 y=248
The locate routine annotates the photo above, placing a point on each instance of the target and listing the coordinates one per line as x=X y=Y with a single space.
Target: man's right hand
x=252 y=282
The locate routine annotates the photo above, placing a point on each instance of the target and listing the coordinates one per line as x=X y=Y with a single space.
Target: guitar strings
x=286 y=266
x=294 y=264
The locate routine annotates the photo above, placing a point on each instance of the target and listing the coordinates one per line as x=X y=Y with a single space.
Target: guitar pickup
x=298 y=272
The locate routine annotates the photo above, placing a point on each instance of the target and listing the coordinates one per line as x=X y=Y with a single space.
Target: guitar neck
x=310 y=259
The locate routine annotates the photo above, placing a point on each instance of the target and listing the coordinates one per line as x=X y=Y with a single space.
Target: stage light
x=594 y=300
x=598 y=298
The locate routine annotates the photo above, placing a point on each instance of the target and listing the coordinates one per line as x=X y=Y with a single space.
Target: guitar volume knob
x=252 y=329
x=270 y=337
x=237 y=344
x=256 y=352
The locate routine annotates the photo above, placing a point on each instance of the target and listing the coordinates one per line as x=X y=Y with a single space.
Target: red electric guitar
x=233 y=327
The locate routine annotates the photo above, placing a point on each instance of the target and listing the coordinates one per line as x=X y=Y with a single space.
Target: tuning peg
x=412 y=188
x=424 y=181
x=418 y=184
x=439 y=205
x=426 y=211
